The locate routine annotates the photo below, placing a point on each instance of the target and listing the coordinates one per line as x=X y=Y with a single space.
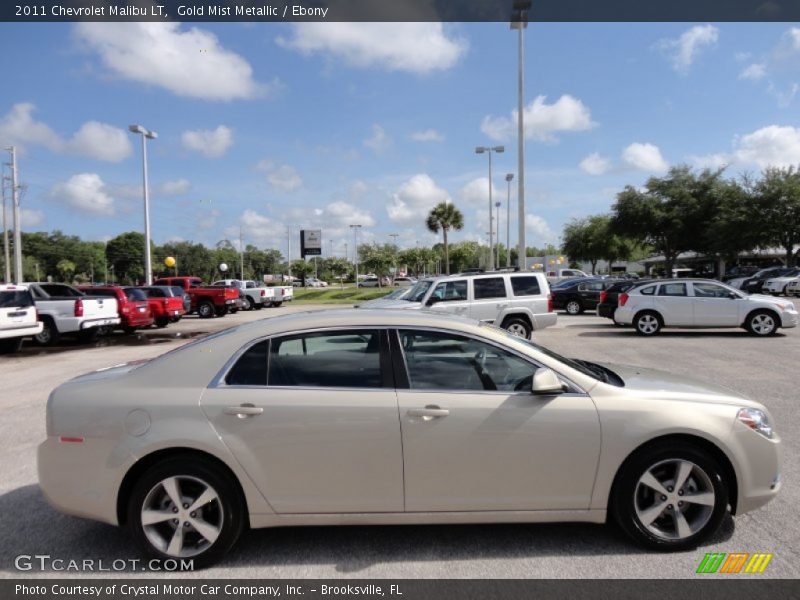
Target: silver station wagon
x=396 y=417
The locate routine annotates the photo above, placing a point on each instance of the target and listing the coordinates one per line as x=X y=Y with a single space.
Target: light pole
x=509 y=177
x=488 y=150
x=394 y=237
x=519 y=21
x=146 y=135
x=497 y=239
x=355 y=229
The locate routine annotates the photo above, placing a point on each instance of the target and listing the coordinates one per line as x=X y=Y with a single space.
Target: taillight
x=78 y=308
x=602 y=296
x=623 y=298
x=549 y=302
x=263 y=293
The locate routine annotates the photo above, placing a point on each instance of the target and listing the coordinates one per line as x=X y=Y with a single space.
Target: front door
x=476 y=439
x=318 y=431
x=714 y=306
x=450 y=297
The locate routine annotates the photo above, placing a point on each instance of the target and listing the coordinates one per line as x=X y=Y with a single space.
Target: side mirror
x=546 y=383
x=432 y=300
x=733 y=295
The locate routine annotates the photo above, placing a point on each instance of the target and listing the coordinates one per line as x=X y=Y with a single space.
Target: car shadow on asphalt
x=613 y=331
x=31 y=527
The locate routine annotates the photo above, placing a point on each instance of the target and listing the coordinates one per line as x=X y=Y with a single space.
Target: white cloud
x=542 y=120
x=176 y=187
x=595 y=164
x=412 y=202
x=784 y=97
x=85 y=192
x=207 y=221
x=283 y=177
x=754 y=72
x=645 y=157
x=93 y=140
x=379 y=141
x=334 y=219
x=101 y=142
x=476 y=193
x=428 y=135
x=261 y=230
x=775 y=145
x=683 y=51
x=211 y=143
x=710 y=161
x=188 y=63
x=31 y=218
x=411 y=47
x=540 y=231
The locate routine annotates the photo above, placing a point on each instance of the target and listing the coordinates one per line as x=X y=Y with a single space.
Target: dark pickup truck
x=207 y=301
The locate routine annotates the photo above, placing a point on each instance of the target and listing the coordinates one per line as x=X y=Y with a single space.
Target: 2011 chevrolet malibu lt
x=392 y=417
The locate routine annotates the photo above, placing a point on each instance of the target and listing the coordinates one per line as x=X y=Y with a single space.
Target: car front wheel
x=671 y=496
x=762 y=323
x=647 y=323
x=518 y=327
x=574 y=307
x=205 y=310
x=184 y=508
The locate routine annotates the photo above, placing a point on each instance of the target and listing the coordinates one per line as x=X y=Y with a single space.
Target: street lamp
x=497 y=212
x=146 y=135
x=488 y=150
x=394 y=237
x=519 y=21
x=355 y=229
x=509 y=177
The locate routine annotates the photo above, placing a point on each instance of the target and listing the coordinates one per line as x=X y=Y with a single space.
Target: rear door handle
x=243 y=410
x=502 y=306
x=428 y=413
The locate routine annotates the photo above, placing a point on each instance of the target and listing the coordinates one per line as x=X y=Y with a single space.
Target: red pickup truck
x=207 y=301
x=166 y=309
x=134 y=310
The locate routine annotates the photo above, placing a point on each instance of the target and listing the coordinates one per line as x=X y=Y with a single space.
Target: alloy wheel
x=648 y=324
x=762 y=324
x=573 y=307
x=518 y=330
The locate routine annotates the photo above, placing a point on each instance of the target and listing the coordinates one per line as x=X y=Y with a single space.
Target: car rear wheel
x=184 y=508
x=574 y=307
x=671 y=496
x=647 y=323
x=518 y=327
x=762 y=322
x=248 y=303
x=223 y=310
x=277 y=304
x=205 y=310
x=49 y=334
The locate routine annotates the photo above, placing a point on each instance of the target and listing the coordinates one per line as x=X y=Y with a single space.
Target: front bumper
x=789 y=319
x=759 y=473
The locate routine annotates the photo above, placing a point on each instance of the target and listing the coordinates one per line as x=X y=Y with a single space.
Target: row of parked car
x=47 y=311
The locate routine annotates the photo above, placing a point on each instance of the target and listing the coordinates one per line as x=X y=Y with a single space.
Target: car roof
x=13 y=287
x=482 y=275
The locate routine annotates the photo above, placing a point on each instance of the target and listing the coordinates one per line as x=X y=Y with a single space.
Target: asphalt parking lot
x=760 y=368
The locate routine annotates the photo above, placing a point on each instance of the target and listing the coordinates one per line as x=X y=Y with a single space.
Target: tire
x=573 y=307
x=647 y=323
x=277 y=304
x=49 y=334
x=518 y=327
x=248 y=303
x=162 y=322
x=222 y=517
x=635 y=504
x=10 y=345
x=222 y=311
x=258 y=305
x=205 y=310
x=762 y=323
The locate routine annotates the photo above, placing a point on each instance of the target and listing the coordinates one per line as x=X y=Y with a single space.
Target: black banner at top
x=400 y=10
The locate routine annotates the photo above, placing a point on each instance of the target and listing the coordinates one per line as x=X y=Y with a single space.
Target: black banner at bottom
x=733 y=588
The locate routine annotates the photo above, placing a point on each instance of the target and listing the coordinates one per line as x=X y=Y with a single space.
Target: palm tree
x=445 y=216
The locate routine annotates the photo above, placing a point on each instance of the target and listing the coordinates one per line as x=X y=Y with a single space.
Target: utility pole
x=355 y=229
x=241 y=253
x=6 y=248
x=288 y=251
x=509 y=177
x=394 y=237
x=519 y=21
x=15 y=206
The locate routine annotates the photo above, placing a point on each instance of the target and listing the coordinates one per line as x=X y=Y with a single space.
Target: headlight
x=756 y=420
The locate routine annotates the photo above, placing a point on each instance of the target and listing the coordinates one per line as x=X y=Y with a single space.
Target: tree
x=378 y=259
x=777 y=201
x=125 y=254
x=672 y=213
x=445 y=216
x=465 y=254
x=589 y=239
x=66 y=268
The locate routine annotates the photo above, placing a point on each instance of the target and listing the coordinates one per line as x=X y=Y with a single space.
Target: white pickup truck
x=17 y=317
x=255 y=296
x=560 y=275
x=63 y=310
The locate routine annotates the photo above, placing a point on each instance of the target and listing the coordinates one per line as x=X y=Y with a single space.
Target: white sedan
x=779 y=285
x=701 y=303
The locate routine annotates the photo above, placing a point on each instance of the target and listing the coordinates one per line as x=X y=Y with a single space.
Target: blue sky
x=268 y=126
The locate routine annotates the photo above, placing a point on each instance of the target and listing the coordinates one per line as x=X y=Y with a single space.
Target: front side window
x=444 y=361
x=348 y=359
x=710 y=290
x=595 y=286
x=672 y=289
x=450 y=291
x=527 y=285
x=489 y=287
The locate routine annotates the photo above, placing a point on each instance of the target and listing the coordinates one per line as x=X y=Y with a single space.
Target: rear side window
x=672 y=289
x=60 y=290
x=251 y=368
x=155 y=293
x=16 y=299
x=489 y=287
x=525 y=286
x=135 y=294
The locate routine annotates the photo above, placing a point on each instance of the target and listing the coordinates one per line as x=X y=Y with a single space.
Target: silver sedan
x=393 y=417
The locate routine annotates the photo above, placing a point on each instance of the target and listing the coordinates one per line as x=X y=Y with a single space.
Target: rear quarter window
x=526 y=285
x=650 y=290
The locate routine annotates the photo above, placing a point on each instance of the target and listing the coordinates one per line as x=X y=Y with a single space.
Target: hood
x=677 y=386
x=770 y=299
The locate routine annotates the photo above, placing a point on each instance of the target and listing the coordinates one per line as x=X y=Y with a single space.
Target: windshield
x=418 y=292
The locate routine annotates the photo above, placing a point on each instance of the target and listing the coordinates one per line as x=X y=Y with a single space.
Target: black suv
x=574 y=297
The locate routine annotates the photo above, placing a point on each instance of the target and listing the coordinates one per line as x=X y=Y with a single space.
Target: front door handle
x=429 y=412
x=243 y=410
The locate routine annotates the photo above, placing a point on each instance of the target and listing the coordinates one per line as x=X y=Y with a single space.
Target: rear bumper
x=540 y=321
x=606 y=310
x=23 y=331
x=90 y=323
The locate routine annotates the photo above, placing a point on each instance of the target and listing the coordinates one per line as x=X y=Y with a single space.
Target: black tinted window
x=155 y=293
x=60 y=290
x=525 y=286
x=489 y=287
x=15 y=299
x=103 y=293
x=251 y=368
x=135 y=294
x=327 y=359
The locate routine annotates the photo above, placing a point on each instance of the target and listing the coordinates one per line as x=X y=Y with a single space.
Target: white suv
x=18 y=318
x=519 y=302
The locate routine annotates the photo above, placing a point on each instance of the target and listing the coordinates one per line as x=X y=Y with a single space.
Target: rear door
x=489 y=298
x=674 y=304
